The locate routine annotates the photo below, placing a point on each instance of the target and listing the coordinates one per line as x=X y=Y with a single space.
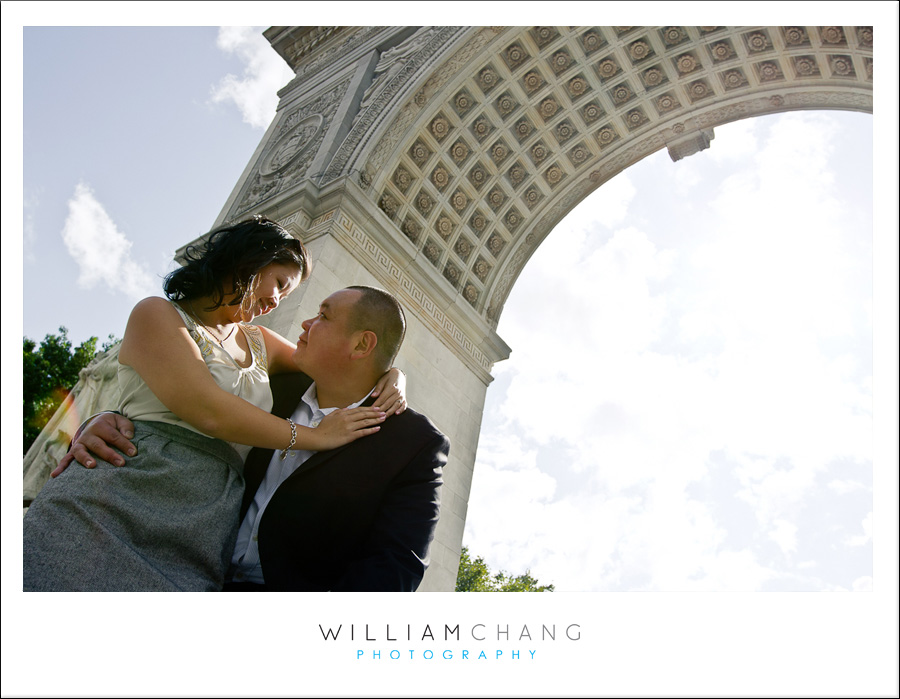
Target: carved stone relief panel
x=290 y=145
x=286 y=158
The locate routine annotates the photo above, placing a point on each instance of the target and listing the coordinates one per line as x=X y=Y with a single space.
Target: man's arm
x=396 y=551
x=97 y=437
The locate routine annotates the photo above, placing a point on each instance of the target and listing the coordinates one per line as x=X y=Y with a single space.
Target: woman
x=194 y=380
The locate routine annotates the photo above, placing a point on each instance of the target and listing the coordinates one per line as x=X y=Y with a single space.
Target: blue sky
x=690 y=401
x=112 y=120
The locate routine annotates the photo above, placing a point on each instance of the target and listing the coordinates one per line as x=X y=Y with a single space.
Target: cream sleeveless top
x=251 y=383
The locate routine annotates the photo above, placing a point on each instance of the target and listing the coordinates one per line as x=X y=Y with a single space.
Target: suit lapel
x=322 y=456
x=316 y=459
x=287 y=390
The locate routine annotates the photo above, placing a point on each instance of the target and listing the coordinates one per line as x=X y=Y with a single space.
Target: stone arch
x=479 y=165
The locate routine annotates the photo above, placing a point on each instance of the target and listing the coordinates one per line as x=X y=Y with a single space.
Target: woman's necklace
x=221 y=341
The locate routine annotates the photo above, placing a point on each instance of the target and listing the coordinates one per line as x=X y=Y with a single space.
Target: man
x=360 y=517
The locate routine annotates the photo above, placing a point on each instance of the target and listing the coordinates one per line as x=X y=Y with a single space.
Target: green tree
x=49 y=371
x=475 y=576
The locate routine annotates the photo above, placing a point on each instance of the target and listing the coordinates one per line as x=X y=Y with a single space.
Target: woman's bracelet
x=293 y=439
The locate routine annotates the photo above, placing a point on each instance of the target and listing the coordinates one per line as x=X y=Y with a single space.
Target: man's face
x=326 y=341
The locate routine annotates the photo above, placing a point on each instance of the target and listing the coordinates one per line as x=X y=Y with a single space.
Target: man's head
x=379 y=312
x=356 y=334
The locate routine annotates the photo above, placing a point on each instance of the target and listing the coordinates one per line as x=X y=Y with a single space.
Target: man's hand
x=99 y=435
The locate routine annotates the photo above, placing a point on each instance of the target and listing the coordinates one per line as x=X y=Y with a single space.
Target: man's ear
x=365 y=344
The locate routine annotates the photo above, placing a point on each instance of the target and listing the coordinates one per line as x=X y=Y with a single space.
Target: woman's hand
x=344 y=426
x=391 y=392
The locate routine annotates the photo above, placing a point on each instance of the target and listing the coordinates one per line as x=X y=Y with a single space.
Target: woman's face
x=274 y=283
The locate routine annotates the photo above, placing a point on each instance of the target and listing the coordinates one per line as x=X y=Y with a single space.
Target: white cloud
x=742 y=141
x=784 y=533
x=687 y=177
x=607 y=206
x=102 y=252
x=638 y=356
x=507 y=473
x=866 y=536
x=863 y=584
x=733 y=571
x=601 y=313
x=254 y=93
x=842 y=487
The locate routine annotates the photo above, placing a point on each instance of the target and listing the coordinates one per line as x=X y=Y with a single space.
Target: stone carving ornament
x=391 y=62
x=296 y=53
x=402 y=179
x=389 y=205
x=796 y=36
x=842 y=66
x=478 y=176
x=607 y=68
x=768 y=71
x=481 y=269
x=865 y=36
x=561 y=61
x=440 y=177
x=290 y=145
x=591 y=40
x=463 y=103
x=674 y=35
x=757 y=42
x=833 y=35
x=686 y=63
x=292 y=150
x=459 y=151
x=639 y=50
x=478 y=222
x=444 y=227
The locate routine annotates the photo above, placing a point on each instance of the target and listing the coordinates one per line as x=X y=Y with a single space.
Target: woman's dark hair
x=233 y=255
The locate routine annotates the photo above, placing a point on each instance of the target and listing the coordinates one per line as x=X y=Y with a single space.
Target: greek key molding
x=415 y=298
x=296 y=223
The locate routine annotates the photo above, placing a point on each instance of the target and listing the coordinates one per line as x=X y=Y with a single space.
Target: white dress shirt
x=245 y=565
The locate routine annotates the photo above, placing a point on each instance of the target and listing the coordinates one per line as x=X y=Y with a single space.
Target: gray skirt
x=166 y=520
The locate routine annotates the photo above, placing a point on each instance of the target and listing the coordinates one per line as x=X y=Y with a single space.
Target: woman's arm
x=279 y=352
x=390 y=390
x=159 y=347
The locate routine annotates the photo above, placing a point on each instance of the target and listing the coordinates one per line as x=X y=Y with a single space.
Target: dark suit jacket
x=360 y=517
